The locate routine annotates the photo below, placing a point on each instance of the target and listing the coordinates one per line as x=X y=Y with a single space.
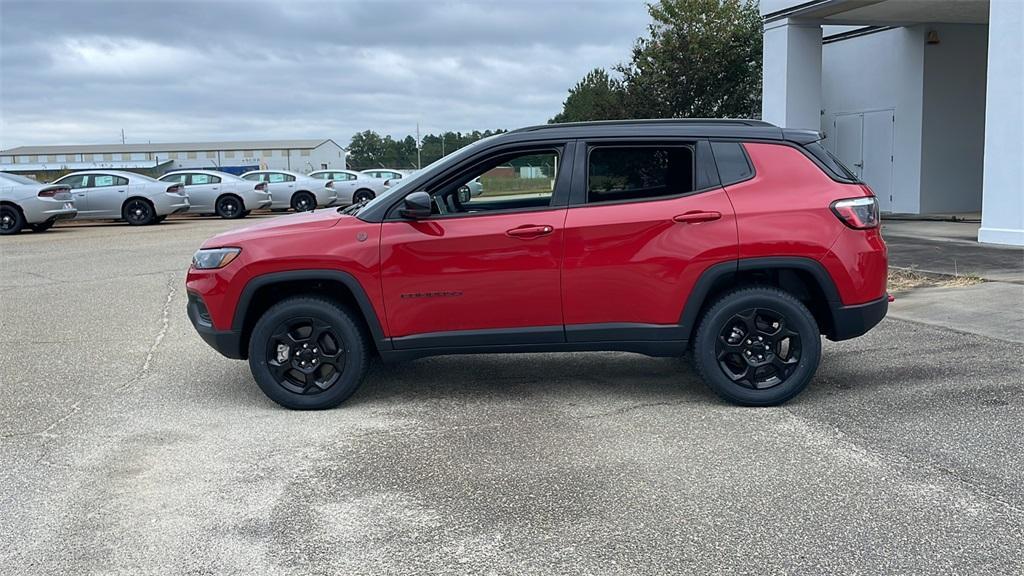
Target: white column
x=1002 y=203
x=791 y=90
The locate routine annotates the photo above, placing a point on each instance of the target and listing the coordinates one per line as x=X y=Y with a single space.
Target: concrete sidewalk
x=951 y=248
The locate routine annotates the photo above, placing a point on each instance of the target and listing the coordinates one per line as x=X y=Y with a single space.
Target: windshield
x=18 y=179
x=400 y=188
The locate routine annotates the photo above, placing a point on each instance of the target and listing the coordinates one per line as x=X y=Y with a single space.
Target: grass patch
x=907 y=279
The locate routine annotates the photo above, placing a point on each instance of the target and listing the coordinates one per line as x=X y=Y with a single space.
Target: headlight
x=214 y=258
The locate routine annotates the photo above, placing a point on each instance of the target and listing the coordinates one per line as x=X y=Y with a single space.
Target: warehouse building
x=924 y=99
x=154 y=159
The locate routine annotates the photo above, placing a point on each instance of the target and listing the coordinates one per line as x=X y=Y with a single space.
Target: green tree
x=702 y=60
x=598 y=96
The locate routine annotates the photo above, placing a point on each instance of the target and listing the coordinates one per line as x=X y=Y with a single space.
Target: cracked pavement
x=130 y=447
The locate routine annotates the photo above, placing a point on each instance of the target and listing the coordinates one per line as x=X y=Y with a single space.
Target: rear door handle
x=528 y=231
x=697 y=216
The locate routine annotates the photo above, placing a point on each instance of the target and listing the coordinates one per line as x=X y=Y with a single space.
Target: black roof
x=687 y=127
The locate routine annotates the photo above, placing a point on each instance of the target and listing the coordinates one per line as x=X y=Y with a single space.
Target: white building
x=924 y=98
x=235 y=157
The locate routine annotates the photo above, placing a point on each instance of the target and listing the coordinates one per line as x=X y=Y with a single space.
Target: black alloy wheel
x=138 y=212
x=11 y=220
x=755 y=349
x=757 y=346
x=305 y=355
x=308 y=353
x=362 y=196
x=303 y=202
x=229 y=207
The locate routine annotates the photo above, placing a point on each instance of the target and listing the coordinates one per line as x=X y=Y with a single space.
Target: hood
x=279 y=225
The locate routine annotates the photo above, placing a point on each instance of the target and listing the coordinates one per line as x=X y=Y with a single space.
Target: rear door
x=107 y=193
x=646 y=219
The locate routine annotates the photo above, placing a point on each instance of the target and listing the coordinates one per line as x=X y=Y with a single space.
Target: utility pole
x=122 y=135
x=442 y=144
x=418 y=147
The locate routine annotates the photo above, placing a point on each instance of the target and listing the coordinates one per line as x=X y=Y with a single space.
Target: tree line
x=699 y=59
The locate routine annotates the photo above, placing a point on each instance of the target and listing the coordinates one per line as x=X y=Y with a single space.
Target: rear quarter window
x=732 y=161
x=836 y=169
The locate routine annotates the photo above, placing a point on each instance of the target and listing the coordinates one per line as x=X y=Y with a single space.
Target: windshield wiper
x=353 y=209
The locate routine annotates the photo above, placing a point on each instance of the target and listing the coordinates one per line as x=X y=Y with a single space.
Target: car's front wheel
x=308 y=353
x=138 y=212
x=757 y=346
x=11 y=220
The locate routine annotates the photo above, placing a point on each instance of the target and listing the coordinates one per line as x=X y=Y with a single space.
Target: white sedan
x=352 y=187
x=114 y=194
x=25 y=202
x=226 y=195
x=293 y=190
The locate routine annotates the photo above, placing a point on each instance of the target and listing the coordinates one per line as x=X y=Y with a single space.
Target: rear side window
x=623 y=173
x=732 y=161
x=836 y=169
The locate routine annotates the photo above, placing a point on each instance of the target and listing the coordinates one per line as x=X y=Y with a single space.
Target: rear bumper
x=227 y=342
x=852 y=321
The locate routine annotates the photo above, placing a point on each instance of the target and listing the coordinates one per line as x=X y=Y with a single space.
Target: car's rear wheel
x=11 y=220
x=138 y=212
x=42 y=226
x=757 y=346
x=303 y=201
x=308 y=353
x=230 y=206
x=362 y=196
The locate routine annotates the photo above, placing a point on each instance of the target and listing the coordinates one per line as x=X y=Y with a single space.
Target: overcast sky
x=77 y=72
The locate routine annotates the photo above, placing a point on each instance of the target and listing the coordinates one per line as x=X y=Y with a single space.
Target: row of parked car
x=140 y=200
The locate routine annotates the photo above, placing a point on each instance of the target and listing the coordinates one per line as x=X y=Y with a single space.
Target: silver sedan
x=25 y=202
x=293 y=190
x=220 y=193
x=118 y=195
x=352 y=187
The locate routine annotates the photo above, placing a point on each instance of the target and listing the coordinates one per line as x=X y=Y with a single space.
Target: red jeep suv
x=735 y=239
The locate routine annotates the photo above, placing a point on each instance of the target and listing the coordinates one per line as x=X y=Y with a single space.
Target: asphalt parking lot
x=128 y=446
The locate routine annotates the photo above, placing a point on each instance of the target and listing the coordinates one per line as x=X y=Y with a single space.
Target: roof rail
x=684 y=121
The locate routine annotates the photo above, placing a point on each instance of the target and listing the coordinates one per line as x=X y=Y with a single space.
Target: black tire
x=757 y=346
x=331 y=327
x=229 y=207
x=303 y=201
x=42 y=226
x=11 y=220
x=362 y=195
x=138 y=212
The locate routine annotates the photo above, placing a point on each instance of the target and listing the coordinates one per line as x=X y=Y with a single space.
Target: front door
x=485 y=270
x=203 y=190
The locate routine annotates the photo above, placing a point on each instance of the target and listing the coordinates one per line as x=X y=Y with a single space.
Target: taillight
x=175 y=189
x=330 y=184
x=53 y=192
x=262 y=186
x=858 y=213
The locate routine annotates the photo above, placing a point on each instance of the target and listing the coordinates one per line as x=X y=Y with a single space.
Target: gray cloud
x=79 y=72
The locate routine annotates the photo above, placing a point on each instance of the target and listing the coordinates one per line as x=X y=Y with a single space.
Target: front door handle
x=697 y=216
x=527 y=232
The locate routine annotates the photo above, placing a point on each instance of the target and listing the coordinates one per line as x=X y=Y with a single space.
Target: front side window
x=252 y=177
x=321 y=175
x=73 y=180
x=640 y=172
x=514 y=181
x=343 y=176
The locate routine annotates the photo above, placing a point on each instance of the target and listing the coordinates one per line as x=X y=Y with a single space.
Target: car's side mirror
x=465 y=195
x=416 y=206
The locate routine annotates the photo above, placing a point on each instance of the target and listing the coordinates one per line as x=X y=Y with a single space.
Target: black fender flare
x=311 y=275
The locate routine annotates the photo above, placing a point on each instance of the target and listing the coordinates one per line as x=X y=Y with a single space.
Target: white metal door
x=878 y=156
x=849 y=131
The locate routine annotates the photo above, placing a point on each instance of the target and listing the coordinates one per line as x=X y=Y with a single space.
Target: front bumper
x=227 y=342
x=853 y=321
